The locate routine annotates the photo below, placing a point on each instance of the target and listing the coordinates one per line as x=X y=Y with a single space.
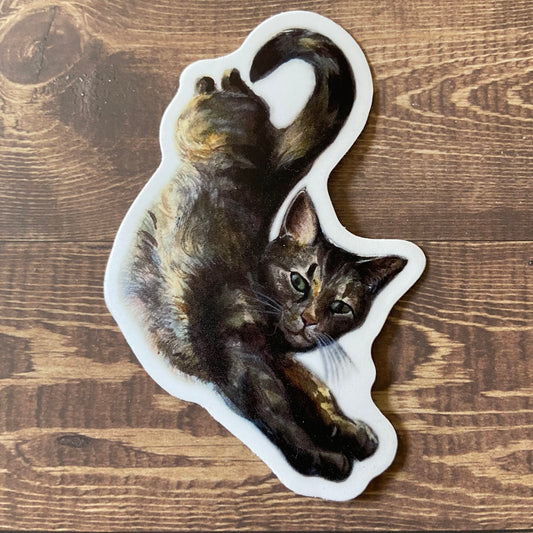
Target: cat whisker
x=268 y=303
x=321 y=348
x=342 y=356
x=267 y=300
x=268 y=312
x=326 y=357
x=262 y=309
x=264 y=298
x=336 y=360
x=273 y=331
x=266 y=308
x=270 y=306
x=334 y=345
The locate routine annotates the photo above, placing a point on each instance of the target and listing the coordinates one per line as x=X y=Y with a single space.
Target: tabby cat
x=227 y=306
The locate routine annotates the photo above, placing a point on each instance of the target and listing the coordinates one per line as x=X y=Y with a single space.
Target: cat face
x=319 y=291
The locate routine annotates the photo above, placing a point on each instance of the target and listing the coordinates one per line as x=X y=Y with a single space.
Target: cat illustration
x=231 y=308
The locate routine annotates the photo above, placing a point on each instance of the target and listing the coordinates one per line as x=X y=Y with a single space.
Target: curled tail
x=319 y=122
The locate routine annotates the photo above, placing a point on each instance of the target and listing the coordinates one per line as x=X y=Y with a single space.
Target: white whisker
x=322 y=347
x=268 y=305
x=336 y=360
x=265 y=298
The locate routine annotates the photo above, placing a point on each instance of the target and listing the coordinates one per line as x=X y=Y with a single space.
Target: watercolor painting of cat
x=234 y=277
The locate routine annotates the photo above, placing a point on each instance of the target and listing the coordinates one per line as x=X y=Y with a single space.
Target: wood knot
x=39 y=47
x=74 y=440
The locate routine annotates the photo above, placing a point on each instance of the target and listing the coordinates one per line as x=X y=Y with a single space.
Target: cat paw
x=356 y=439
x=321 y=463
x=351 y=441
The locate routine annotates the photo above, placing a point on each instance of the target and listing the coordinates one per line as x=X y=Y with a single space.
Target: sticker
x=231 y=277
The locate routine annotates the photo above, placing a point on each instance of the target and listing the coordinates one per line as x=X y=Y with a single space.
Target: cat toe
x=318 y=462
x=232 y=81
x=335 y=466
x=365 y=442
x=328 y=465
x=354 y=438
x=205 y=85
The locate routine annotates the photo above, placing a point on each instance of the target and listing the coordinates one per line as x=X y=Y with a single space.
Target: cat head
x=319 y=291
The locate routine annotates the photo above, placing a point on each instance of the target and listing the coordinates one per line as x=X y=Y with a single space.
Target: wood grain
x=89 y=442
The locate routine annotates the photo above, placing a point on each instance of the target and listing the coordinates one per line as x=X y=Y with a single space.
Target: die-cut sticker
x=231 y=277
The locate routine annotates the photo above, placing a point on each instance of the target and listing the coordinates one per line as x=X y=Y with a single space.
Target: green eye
x=339 y=307
x=299 y=283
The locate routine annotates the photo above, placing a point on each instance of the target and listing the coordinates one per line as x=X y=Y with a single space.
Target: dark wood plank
x=88 y=441
x=83 y=87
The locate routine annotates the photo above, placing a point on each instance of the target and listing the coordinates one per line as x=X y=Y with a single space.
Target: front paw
x=329 y=465
x=354 y=438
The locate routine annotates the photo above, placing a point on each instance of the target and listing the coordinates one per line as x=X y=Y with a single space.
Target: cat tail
x=319 y=122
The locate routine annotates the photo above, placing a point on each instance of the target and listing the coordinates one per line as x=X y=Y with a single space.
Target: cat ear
x=301 y=221
x=377 y=272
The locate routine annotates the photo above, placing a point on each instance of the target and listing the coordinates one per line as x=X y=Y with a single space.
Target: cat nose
x=308 y=318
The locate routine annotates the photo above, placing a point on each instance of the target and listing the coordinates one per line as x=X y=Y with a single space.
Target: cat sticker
x=231 y=277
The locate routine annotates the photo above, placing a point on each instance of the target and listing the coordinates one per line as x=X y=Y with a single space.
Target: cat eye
x=299 y=282
x=338 y=307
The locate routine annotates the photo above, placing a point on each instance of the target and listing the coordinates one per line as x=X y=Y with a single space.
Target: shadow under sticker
x=233 y=280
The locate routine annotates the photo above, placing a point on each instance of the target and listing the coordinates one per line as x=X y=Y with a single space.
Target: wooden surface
x=89 y=442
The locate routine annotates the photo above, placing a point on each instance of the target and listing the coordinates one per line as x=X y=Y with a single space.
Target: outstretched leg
x=254 y=390
x=316 y=409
